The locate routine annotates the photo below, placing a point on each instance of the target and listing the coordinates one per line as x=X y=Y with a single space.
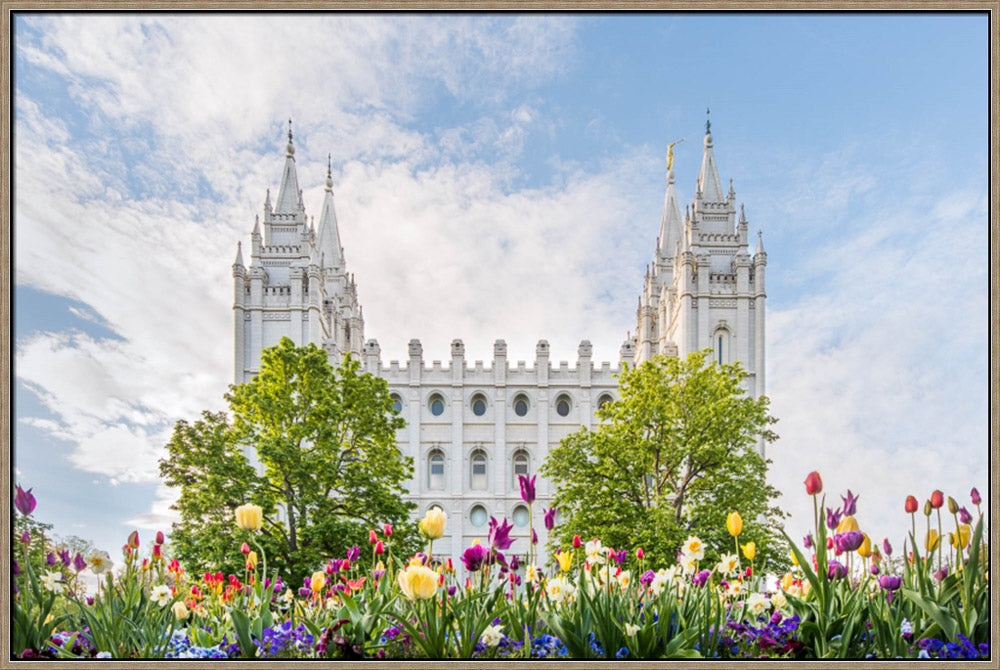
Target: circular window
x=520 y=516
x=479 y=405
x=437 y=405
x=478 y=516
x=563 y=406
x=603 y=400
x=520 y=405
x=397 y=403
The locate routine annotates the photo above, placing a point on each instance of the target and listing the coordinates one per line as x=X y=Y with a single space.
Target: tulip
x=931 y=541
x=847 y=524
x=353 y=554
x=975 y=496
x=564 y=559
x=24 y=501
x=26 y=538
x=887 y=547
x=850 y=503
x=865 y=550
x=180 y=610
x=874 y=569
x=15 y=568
x=937 y=499
x=911 y=504
x=244 y=548
x=829 y=542
x=64 y=557
x=813 y=483
x=432 y=525
x=527 y=488
x=927 y=508
x=576 y=541
x=345 y=565
x=942 y=573
x=832 y=518
x=835 y=570
x=50 y=558
x=252 y=560
x=372 y=538
x=418 y=582
x=499 y=535
x=534 y=536
x=734 y=524
x=750 y=550
x=387 y=530
x=964 y=516
x=849 y=541
x=701 y=578
x=640 y=554
x=79 y=563
x=890 y=582
x=157 y=552
x=550 y=518
x=133 y=540
x=249 y=517
x=160 y=539
x=474 y=557
x=807 y=541
x=795 y=559
x=962 y=537
x=379 y=548
x=952 y=505
x=317 y=582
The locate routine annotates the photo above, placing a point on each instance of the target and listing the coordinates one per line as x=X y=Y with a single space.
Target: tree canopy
x=314 y=447
x=671 y=458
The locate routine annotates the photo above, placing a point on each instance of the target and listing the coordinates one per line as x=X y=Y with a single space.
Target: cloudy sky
x=501 y=176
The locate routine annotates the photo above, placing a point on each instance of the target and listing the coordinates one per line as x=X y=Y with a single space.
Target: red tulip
x=640 y=554
x=911 y=504
x=813 y=482
x=133 y=539
x=576 y=541
x=159 y=537
x=245 y=549
x=387 y=530
x=379 y=548
x=372 y=538
x=937 y=499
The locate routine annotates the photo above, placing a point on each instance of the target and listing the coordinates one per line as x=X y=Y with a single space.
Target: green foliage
x=327 y=469
x=671 y=458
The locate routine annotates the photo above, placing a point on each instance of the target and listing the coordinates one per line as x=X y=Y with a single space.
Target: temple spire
x=289 y=201
x=708 y=182
x=328 y=237
x=670 y=222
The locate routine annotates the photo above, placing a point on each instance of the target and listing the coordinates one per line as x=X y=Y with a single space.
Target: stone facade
x=471 y=429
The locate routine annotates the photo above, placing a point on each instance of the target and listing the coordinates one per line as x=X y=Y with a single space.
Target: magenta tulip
x=527 y=488
x=550 y=518
x=975 y=496
x=24 y=501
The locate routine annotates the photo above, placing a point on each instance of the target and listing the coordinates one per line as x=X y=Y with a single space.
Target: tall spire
x=288 y=195
x=708 y=182
x=239 y=254
x=670 y=222
x=328 y=242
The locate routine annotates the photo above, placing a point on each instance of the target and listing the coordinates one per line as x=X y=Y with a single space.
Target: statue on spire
x=670 y=154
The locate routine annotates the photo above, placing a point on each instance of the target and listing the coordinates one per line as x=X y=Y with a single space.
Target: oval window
x=563 y=406
x=397 y=403
x=479 y=405
x=478 y=516
x=520 y=516
x=437 y=405
x=520 y=405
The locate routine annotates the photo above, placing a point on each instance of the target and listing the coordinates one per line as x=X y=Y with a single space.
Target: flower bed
x=845 y=598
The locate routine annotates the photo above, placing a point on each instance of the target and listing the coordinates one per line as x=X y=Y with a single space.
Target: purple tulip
x=848 y=541
x=501 y=559
x=79 y=563
x=353 y=554
x=621 y=557
x=776 y=618
x=975 y=496
x=452 y=589
x=90 y=600
x=50 y=558
x=964 y=516
x=942 y=573
x=850 y=503
x=515 y=562
x=835 y=570
x=550 y=518
x=15 y=567
x=499 y=535
x=874 y=569
x=887 y=547
x=701 y=578
x=890 y=582
x=527 y=488
x=64 y=557
x=474 y=557
x=646 y=578
x=305 y=582
x=304 y=592
x=832 y=518
x=24 y=501
x=807 y=541
x=26 y=538
x=534 y=536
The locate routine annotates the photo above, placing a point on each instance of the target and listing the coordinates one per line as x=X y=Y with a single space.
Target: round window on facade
x=520 y=516
x=563 y=405
x=478 y=516
x=521 y=405
x=436 y=405
x=479 y=405
x=397 y=403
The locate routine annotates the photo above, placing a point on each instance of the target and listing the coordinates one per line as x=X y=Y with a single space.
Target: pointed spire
x=267 y=201
x=670 y=221
x=760 y=242
x=239 y=254
x=289 y=196
x=256 y=226
x=328 y=241
x=743 y=216
x=708 y=182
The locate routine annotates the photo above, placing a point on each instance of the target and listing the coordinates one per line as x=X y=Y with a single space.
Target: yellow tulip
x=249 y=517
x=787 y=581
x=252 y=560
x=318 y=581
x=749 y=550
x=418 y=582
x=865 y=550
x=734 y=524
x=931 y=541
x=847 y=525
x=564 y=559
x=964 y=533
x=795 y=559
x=180 y=610
x=432 y=525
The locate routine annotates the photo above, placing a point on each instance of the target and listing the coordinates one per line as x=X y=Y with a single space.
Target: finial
x=329 y=175
x=329 y=163
x=289 y=129
x=290 y=148
x=708 y=122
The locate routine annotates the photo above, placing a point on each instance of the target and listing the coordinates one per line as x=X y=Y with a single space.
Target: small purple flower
x=776 y=618
x=975 y=496
x=701 y=578
x=887 y=547
x=499 y=534
x=64 y=557
x=942 y=573
x=832 y=518
x=24 y=501
x=515 y=562
x=473 y=557
x=79 y=563
x=807 y=541
x=874 y=569
x=353 y=554
x=50 y=558
x=550 y=518
x=15 y=568
x=452 y=589
x=304 y=592
x=964 y=516
x=527 y=488
x=26 y=538
x=850 y=503
x=646 y=578
x=835 y=570
x=534 y=536
x=890 y=582
x=849 y=541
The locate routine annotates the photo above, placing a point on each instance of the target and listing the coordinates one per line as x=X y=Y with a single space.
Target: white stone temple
x=471 y=428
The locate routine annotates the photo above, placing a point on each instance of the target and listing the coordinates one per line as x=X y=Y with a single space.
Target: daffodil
x=492 y=636
x=694 y=548
x=161 y=594
x=51 y=582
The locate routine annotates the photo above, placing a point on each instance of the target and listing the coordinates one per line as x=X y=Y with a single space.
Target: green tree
x=325 y=466
x=671 y=458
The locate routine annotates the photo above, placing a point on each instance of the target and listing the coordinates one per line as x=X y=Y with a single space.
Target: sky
x=501 y=176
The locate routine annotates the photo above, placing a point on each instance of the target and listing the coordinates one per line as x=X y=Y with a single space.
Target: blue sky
x=477 y=158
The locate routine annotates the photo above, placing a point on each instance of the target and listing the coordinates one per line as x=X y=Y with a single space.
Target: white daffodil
x=51 y=582
x=758 y=603
x=631 y=629
x=491 y=636
x=161 y=594
x=694 y=548
x=100 y=562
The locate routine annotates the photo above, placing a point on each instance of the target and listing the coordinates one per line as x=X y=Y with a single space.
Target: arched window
x=520 y=516
x=479 y=404
x=397 y=403
x=436 y=404
x=721 y=346
x=521 y=404
x=563 y=405
x=478 y=516
x=477 y=470
x=604 y=400
x=520 y=467
x=435 y=470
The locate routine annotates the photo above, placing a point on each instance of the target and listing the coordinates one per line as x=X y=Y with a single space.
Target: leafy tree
x=671 y=458
x=325 y=469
